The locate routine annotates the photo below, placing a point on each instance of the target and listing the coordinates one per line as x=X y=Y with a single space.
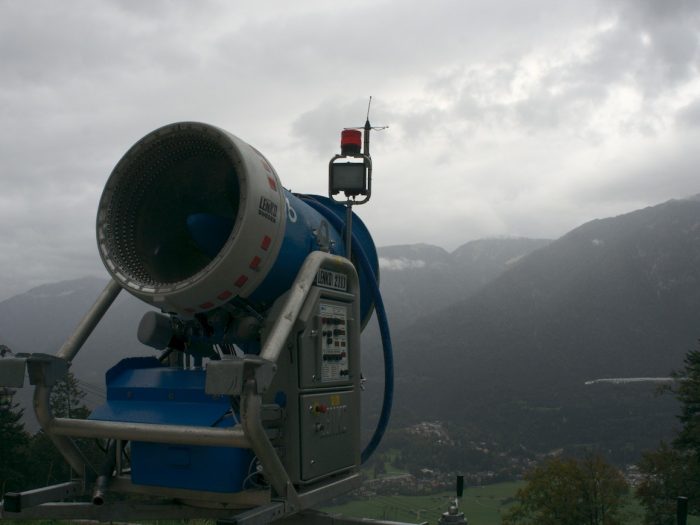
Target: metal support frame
x=17 y=501
x=251 y=433
x=75 y=342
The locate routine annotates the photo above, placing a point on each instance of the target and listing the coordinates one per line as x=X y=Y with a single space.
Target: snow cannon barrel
x=192 y=218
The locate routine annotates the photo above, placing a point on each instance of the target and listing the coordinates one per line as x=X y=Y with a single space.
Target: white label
x=330 y=279
x=334 y=345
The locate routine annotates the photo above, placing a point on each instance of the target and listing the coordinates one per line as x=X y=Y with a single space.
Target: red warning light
x=350 y=141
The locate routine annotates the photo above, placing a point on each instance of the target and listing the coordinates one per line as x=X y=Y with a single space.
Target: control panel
x=329 y=430
x=334 y=342
x=326 y=346
x=320 y=375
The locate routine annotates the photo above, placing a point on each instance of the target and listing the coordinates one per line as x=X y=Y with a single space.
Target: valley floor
x=481 y=506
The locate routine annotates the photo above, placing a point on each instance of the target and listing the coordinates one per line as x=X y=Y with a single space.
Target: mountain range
x=618 y=297
x=420 y=278
x=497 y=337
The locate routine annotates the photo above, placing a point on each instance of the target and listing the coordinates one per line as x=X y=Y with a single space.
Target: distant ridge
x=615 y=297
x=418 y=279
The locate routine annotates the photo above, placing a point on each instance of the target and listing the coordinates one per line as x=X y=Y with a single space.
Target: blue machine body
x=301 y=238
x=142 y=390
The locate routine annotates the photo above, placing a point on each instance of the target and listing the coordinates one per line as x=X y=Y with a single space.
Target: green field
x=481 y=506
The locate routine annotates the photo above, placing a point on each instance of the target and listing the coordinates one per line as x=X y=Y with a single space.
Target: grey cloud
x=319 y=128
x=81 y=84
x=652 y=11
x=651 y=174
x=383 y=40
x=52 y=235
x=568 y=93
x=689 y=116
x=670 y=53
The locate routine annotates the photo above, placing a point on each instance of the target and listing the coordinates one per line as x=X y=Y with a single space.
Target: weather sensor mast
x=350 y=172
x=246 y=406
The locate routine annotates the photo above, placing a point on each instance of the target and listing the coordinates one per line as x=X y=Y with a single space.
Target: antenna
x=367 y=124
x=351 y=172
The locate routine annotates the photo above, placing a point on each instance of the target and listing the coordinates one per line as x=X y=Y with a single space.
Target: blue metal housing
x=141 y=390
x=300 y=239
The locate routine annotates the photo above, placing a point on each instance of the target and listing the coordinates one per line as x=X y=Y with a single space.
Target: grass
x=481 y=505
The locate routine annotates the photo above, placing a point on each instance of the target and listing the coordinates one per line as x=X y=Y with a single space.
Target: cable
x=252 y=473
x=368 y=273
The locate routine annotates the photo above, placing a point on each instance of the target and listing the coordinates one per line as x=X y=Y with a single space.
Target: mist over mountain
x=419 y=279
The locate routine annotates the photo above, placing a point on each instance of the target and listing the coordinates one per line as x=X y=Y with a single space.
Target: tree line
x=30 y=460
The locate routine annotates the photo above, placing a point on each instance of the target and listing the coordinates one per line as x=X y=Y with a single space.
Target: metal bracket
x=260 y=369
x=17 y=501
x=257 y=516
x=227 y=377
x=323 y=237
x=12 y=372
x=44 y=369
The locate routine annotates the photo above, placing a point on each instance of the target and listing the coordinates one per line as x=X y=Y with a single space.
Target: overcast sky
x=506 y=117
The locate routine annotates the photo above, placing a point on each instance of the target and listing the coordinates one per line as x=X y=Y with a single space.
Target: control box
x=320 y=374
x=324 y=360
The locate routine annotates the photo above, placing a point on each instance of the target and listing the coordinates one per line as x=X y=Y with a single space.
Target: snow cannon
x=192 y=218
x=249 y=409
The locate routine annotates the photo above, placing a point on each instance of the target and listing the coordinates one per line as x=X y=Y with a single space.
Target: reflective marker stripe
x=224 y=295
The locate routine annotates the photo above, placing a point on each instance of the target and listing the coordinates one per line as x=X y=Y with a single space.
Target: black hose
x=105 y=474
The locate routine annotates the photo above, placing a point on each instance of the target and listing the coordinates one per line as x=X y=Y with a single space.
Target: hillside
x=420 y=278
x=618 y=297
x=41 y=319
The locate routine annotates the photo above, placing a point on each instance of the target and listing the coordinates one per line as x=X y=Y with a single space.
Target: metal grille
x=156 y=186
